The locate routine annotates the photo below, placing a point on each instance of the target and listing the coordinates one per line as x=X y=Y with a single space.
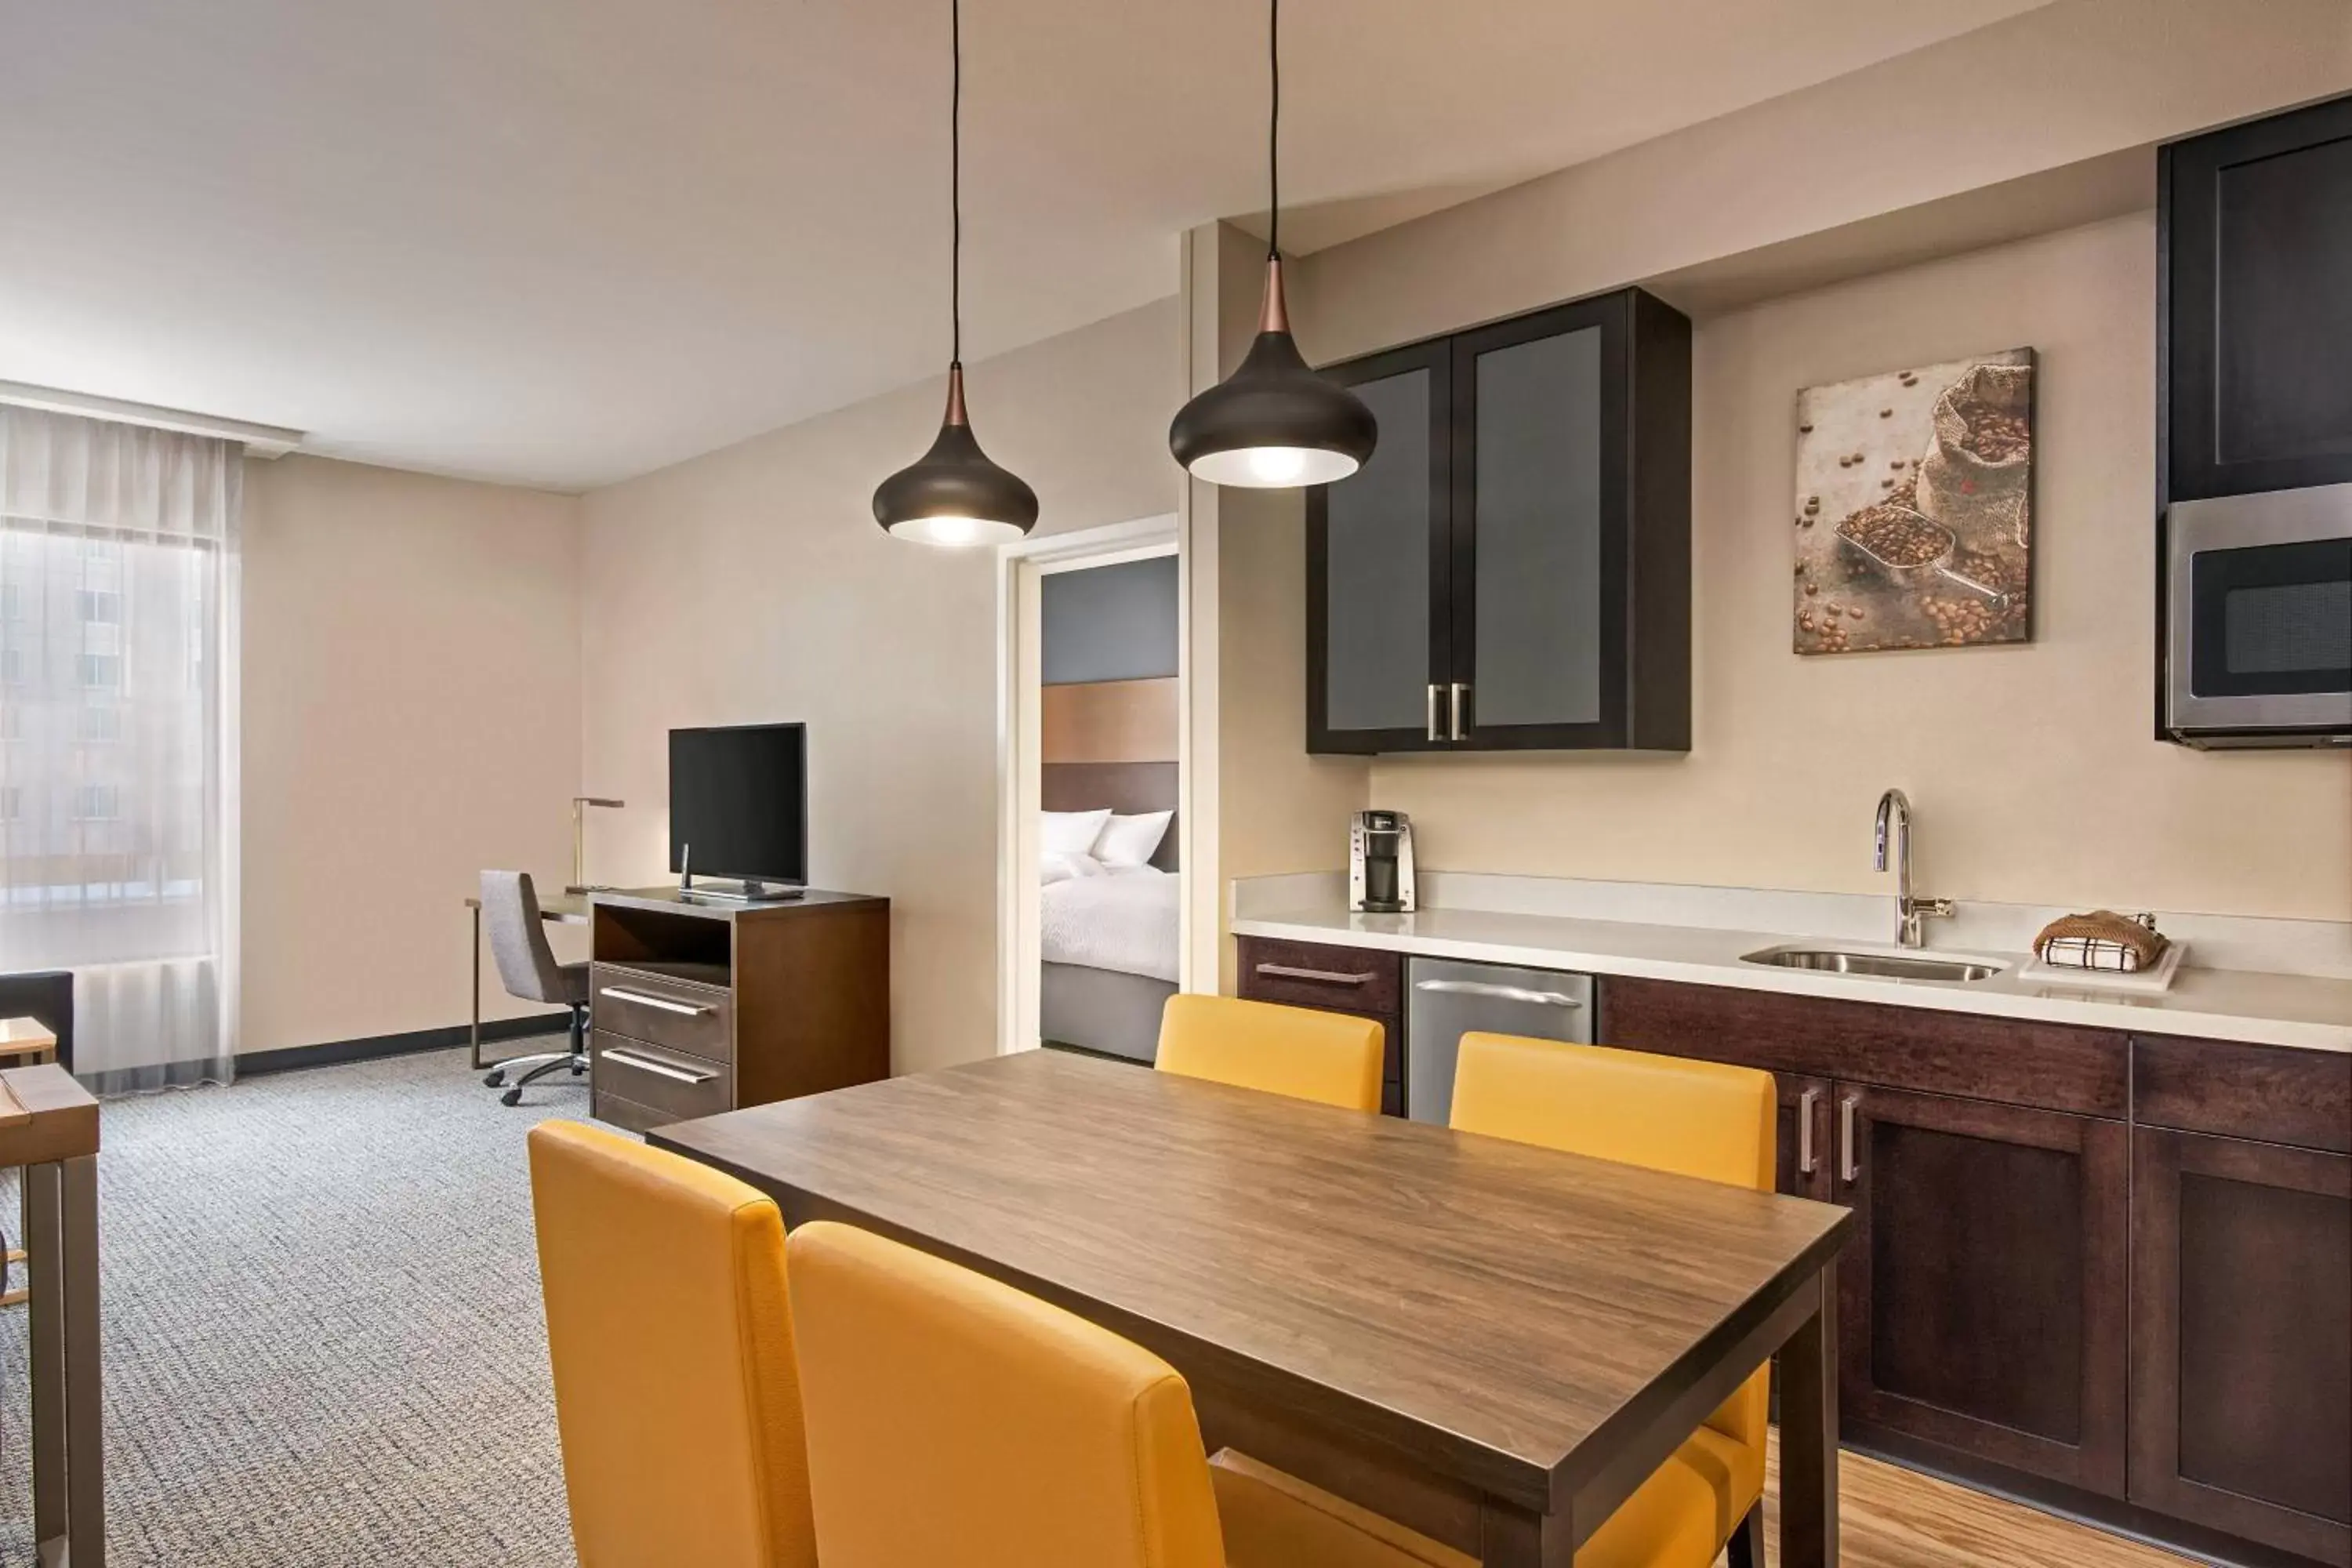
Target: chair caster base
x=494 y=1077
x=512 y=1096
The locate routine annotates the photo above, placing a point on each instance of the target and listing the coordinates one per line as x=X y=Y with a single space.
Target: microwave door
x=2260 y=616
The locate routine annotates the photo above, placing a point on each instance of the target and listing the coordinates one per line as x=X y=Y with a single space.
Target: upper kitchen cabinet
x=1511 y=571
x=2256 y=305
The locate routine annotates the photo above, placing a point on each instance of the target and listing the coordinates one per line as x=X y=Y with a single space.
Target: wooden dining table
x=1490 y=1342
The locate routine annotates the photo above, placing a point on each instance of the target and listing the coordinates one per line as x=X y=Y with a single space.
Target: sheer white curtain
x=118 y=737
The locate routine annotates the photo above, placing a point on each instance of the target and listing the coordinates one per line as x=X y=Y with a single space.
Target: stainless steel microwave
x=2259 y=619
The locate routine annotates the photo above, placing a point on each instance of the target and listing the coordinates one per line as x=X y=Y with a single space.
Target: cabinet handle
x=1849 y=1168
x=1806 y=1102
x=1320 y=976
x=1455 y=694
x=1433 y=713
x=1498 y=993
x=629 y=1059
x=687 y=1009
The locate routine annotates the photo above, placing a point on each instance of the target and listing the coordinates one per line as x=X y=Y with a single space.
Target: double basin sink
x=1874 y=965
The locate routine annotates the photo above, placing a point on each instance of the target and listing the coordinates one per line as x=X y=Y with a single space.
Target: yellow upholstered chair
x=953 y=1419
x=1297 y=1051
x=1692 y=1118
x=677 y=1397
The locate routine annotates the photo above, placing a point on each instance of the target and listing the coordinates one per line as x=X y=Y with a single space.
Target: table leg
x=85 y=1407
x=474 y=1030
x=1808 y=1436
x=44 y=1218
x=1518 y=1538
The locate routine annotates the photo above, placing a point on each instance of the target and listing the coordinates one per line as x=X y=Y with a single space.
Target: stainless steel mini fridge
x=1448 y=999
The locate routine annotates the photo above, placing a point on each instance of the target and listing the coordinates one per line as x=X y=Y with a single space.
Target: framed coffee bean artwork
x=1914 y=514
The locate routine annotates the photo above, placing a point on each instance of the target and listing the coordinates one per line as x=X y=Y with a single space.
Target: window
x=112 y=855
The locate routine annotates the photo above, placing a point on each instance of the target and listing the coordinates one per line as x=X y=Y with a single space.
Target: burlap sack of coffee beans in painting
x=1976 y=477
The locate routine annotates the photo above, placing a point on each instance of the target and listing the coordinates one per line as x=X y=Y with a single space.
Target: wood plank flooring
x=1894 y=1518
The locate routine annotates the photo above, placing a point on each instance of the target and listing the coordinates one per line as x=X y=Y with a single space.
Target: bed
x=1109 y=942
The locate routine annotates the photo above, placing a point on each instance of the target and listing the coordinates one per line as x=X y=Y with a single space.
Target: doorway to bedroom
x=1094 y=785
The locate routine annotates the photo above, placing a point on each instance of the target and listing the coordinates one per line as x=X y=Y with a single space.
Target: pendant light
x=952 y=495
x=1274 y=424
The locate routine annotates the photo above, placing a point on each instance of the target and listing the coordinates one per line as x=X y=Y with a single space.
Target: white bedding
x=1123 y=920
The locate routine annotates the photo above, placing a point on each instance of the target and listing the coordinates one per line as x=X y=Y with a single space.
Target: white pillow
x=1132 y=841
x=1070 y=832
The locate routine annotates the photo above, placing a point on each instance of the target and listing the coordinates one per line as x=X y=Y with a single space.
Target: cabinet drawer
x=2275 y=1094
x=2046 y=1067
x=673 y=1083
x=646 y=1005
x=1310 y=975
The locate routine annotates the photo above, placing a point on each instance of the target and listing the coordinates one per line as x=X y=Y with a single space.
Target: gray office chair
x=526 y=968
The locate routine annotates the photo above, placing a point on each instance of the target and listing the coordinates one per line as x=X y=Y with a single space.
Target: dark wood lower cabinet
x=1982 y=1301
x=2241 y=1360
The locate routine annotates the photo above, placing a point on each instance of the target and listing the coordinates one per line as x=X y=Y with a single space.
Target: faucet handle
x=1941 y=908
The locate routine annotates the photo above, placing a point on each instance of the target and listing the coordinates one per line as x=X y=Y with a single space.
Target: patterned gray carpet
x=322 y=1334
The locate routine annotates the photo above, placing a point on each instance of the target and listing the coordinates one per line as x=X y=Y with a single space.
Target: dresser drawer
x=646 y=1005
x=1310 y=975
x=673 y=1083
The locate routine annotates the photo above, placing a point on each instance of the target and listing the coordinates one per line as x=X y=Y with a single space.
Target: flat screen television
x=739 y=806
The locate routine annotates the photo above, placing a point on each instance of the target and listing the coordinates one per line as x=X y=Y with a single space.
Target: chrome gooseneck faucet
x=1894 y=817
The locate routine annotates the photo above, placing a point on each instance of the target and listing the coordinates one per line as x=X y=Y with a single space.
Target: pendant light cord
x=955 y=186
x=1274 y=130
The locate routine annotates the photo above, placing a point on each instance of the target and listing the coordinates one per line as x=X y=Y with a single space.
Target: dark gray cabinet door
x=1529 y=539
x=2256 y=310
x=1379 y=637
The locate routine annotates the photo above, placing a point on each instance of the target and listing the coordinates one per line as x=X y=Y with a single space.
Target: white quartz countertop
x=2306 y=1011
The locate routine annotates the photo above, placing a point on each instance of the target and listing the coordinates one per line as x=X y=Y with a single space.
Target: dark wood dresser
x=700 y=1007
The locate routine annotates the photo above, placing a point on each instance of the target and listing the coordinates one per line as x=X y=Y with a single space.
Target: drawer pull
x=1319 y=976
x=1805 y=1104
x=685 y=1009
x=629 y=1059
x=1499 y=993
x=1849 y=1167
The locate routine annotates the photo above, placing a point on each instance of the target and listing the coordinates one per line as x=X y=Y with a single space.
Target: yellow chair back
x=1330 y=1057
x=676 y=1398
x=952 y=1419
x=1665 y=1114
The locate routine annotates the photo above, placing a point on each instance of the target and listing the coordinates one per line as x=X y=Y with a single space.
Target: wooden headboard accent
x=1111 y=743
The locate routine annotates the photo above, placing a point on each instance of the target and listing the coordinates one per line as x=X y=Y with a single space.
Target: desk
x=562 y=908
x=1490 y=1342
x=52 y=1133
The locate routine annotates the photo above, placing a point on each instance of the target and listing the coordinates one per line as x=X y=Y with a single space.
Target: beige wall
x=2051 y=88
x=410 y=714
x=2032 y=767
x=752 y=584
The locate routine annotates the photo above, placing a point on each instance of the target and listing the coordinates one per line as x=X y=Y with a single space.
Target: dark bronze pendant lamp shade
x=952 y=495
x=1274 y=424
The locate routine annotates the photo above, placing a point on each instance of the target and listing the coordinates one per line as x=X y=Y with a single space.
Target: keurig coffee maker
x=1380 y=863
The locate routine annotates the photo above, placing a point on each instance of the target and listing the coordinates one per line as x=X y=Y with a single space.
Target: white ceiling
x=560 y=242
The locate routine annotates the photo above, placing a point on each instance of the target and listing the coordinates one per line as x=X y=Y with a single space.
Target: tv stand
x=749 y=890
x=699 y=1004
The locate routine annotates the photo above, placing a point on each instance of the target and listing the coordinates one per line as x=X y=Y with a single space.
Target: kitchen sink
x=1879 y=965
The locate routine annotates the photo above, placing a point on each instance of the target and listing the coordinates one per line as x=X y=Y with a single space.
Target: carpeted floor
x=323 y=1344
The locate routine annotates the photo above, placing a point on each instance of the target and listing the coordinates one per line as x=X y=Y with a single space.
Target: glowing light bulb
x=1277 y=465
